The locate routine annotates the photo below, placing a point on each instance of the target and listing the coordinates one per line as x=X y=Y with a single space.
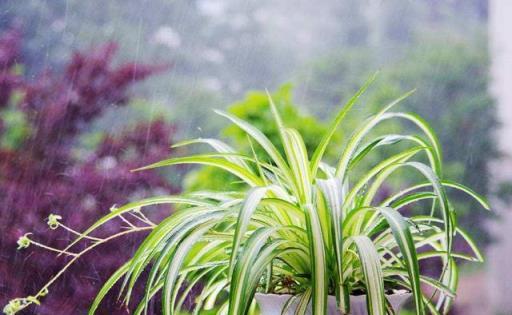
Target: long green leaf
x=297 y=156
x=107 y=286
x=260 y=138
x=374 y=281
x=318 y=261
x=333 y=192
x=254 y=197
x=243 y=173
x=405 y=241
x=326 y=139
x=136 y=205
x=447 y=212
x=182 y=250
x=356 y=139
x=161 y=243
x=240 y=277
x=219 y=146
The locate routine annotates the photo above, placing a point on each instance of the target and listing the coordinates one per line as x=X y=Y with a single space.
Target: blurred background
x=92 y=89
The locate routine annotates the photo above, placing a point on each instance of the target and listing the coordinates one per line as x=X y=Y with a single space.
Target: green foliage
x=455 y=98
x=316 y=224
x=15 y=126
x=504 y=191
x=255 y=109
x=451 y=75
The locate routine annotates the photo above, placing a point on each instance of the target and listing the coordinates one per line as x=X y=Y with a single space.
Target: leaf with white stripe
x=365 y=128
x=373 y=277
x=326 y=139
x=214 y=160
x=318 y=260
x=405 y=241
x=333 y=192
x=261 y=139
x=218 y=145
x=253 y=199
x=297 y=156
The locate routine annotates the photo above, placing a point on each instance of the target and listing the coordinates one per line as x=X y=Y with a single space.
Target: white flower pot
x=273 y=304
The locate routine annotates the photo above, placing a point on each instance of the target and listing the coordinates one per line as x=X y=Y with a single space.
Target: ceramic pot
x=273 y=304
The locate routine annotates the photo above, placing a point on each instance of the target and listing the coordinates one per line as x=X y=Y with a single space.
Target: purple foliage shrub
x=41 y=175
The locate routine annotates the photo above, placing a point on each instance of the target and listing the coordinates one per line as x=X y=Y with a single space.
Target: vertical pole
x=499 y=258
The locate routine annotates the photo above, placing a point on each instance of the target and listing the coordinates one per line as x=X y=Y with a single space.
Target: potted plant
x=304 y=237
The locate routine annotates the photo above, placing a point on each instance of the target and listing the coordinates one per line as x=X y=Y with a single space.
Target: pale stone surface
x=473 y=298
x=499 y=260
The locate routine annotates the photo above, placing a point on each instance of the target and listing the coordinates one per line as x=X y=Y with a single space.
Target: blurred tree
x=451 y=78
x=221 y=48
x=40 y=123
x=214 y=44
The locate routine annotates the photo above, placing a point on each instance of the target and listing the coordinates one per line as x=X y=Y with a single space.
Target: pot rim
x=359 y=296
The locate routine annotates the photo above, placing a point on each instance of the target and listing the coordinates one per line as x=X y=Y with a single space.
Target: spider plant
x=301 y=227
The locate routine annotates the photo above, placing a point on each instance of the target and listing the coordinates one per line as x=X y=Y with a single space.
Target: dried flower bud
x=53 y=221
x=14 y=306
x=24 y=241
x=19 y=304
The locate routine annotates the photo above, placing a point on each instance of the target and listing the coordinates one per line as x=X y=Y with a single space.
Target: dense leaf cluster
x=299 y=226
